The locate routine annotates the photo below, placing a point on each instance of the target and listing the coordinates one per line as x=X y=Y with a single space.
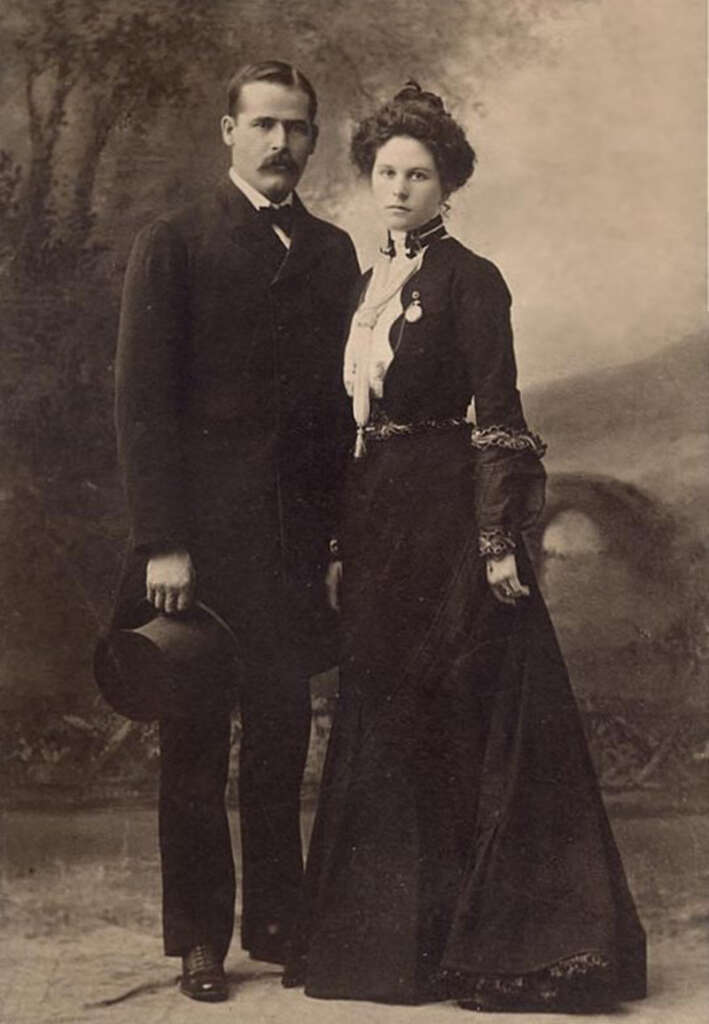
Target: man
x=228 y=391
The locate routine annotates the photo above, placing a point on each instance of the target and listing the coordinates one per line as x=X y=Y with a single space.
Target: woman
x=461 y=849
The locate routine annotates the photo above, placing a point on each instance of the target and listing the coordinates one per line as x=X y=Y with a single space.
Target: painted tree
x=93 y=78
x=88 y=65
x=90 y=81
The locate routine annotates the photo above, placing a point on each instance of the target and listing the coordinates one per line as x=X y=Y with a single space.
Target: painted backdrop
x=588 y=117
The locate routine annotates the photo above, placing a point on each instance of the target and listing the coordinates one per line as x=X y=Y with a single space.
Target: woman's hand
x=333 y=582
x=170 y=581
x=503 y=579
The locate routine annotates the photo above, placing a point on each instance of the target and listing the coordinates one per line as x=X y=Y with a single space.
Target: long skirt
x=461 y=848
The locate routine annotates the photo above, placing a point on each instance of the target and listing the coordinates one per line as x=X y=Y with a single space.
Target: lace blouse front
x=432 y=331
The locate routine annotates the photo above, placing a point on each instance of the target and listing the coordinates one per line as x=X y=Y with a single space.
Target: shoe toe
x=203 y=976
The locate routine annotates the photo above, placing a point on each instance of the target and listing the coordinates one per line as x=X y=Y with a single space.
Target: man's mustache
x=279 y=161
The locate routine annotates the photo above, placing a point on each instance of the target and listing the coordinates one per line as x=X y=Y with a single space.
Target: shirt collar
x=256 y=198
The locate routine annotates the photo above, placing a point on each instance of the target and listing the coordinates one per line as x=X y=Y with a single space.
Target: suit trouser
x=195 y=846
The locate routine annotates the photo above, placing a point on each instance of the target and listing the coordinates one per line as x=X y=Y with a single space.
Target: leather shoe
x=203 y=976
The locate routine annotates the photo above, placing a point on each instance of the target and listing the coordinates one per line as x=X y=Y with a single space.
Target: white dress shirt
x=259 y=201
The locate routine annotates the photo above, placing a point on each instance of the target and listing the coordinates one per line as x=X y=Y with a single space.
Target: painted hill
x=646 y=423
x=630 y=446
x=637 y=671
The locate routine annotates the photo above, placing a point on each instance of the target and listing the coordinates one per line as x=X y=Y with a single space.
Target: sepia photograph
x=354 y=529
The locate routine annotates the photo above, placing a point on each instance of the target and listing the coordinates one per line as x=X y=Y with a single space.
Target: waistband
x=384 y=429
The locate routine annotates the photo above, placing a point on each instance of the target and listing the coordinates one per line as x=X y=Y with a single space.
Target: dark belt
x=384 y=429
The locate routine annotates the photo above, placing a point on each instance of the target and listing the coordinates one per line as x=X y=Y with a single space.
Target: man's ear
x=314 y=132
x=227 y=126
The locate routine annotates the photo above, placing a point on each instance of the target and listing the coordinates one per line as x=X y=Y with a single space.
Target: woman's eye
x=419 y=176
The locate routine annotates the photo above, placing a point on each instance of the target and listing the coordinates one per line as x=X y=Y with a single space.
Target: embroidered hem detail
x=579 y=981
x=497 y=436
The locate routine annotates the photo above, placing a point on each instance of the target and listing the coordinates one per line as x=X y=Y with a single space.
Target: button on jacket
x=228 y=395
x=228 y=391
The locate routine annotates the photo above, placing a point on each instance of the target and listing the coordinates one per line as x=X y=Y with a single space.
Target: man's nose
x=279 y=137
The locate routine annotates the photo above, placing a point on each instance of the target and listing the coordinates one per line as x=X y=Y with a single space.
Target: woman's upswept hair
x=423 y=116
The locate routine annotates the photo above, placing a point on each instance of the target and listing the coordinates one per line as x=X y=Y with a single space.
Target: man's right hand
x=170 y=581
x=333 y=584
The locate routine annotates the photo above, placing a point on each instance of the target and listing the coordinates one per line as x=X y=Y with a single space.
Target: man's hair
x=276 y=71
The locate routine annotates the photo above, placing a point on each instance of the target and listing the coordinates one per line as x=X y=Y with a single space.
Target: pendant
x=360 y=444
x=414 y=310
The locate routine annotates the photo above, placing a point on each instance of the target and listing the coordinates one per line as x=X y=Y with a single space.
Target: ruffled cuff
x=485 y=438
x=509 y=485
x=333 y=550
x=495 y=542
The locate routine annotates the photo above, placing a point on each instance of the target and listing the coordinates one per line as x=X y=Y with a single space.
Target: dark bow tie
x=280 y=216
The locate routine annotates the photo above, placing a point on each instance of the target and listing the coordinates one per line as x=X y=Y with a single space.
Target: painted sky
x=591 y=187
x=590 y=192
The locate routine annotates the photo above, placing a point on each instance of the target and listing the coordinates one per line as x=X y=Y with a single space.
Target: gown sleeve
x=509 y=476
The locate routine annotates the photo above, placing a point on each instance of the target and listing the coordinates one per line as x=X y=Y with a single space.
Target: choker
x=418 y=238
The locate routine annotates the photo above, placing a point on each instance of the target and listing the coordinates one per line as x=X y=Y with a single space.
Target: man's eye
x=299 y=127
x=262 y=122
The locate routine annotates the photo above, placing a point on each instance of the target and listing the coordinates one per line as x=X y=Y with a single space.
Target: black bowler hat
x=172 y=666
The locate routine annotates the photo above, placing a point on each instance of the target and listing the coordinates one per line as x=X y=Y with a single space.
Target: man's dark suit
x=228 y=391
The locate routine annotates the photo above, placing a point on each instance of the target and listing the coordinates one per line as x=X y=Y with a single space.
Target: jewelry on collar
x=389 y=249
x=422 y=236
x=417 y=239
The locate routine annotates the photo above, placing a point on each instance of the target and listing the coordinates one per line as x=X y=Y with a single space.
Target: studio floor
x=80 y=930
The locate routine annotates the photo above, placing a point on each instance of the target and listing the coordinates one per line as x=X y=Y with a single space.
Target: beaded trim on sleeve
x=506 y=437
x=495 y=543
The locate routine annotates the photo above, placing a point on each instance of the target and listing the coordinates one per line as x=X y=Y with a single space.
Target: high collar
x=416 y=239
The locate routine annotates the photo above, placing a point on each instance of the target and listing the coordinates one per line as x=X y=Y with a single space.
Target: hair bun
x=412 y=91
x=419 y=115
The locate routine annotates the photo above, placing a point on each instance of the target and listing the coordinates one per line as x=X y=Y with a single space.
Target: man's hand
x=170 y=581
x=503 y=579
x=333 y=582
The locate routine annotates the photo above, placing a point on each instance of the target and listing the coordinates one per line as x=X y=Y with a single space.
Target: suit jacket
x=228 y=388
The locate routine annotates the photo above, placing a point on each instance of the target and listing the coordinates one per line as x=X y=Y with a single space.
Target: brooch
x=414 y=311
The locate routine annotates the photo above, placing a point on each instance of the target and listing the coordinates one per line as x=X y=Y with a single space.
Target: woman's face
x=406 y=185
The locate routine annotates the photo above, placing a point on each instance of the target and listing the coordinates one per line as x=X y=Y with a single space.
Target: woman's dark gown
x=461 y=848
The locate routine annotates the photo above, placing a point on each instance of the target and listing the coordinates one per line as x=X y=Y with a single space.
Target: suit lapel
x=249 y=231
x=307 y=245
